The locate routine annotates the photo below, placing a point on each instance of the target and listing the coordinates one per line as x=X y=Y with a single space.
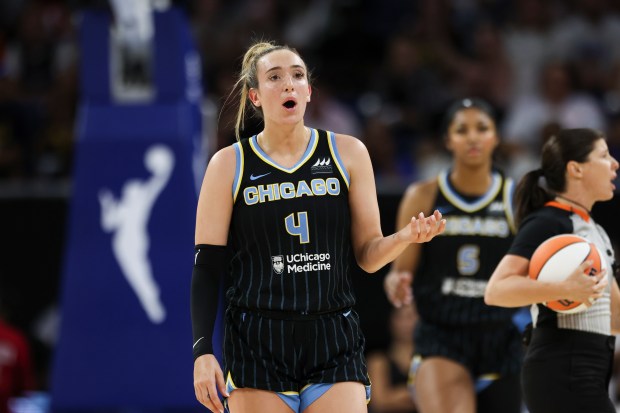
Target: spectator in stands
x=16 y=374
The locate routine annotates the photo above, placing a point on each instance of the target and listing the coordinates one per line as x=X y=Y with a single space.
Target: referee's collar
x=583 y=214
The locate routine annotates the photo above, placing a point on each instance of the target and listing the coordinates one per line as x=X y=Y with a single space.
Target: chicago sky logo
x=322 y=166
x=277 y=262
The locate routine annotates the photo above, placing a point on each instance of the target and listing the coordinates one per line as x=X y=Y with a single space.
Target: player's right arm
x=213 y=217
x=216 y=199
x=397 y=283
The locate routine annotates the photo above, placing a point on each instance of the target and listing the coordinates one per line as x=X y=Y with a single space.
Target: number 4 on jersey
x=299 y=228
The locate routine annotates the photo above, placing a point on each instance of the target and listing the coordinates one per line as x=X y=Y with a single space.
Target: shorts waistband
x=290 y=315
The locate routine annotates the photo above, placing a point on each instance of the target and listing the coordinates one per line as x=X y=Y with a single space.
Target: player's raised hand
x=424 y=229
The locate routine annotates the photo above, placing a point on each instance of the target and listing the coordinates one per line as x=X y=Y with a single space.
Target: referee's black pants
x=567 y=371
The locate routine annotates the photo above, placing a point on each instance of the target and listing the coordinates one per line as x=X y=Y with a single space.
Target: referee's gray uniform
x=568 y=363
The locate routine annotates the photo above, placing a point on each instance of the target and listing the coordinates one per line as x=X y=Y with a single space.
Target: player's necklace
x=573 y=202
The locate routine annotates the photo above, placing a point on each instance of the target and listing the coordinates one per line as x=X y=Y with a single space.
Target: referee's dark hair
x=567 y=145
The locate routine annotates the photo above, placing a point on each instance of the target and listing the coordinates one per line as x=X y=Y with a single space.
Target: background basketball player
x=467 y=353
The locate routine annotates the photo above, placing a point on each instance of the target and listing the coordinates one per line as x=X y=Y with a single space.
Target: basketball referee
x=568 y=363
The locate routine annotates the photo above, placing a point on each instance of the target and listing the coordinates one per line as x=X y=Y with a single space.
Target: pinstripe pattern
x=314 y=193
x=286 y=355
x=291 y=237
x=454 y=269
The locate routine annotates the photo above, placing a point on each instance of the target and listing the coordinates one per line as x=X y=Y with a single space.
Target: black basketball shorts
x=265 y=351
x=483 y=350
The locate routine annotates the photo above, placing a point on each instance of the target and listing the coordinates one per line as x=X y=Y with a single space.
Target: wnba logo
x=277 y=263
x=127 y=216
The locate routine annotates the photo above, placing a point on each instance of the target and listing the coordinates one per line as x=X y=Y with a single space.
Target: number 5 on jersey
x=299 y=228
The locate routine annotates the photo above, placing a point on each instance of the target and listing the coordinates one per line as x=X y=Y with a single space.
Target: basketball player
x=467 y=353
x=568 y=361
x=283 y=213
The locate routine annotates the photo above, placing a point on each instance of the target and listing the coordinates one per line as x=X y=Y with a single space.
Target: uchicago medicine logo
x=277 y=262
x=303 y=262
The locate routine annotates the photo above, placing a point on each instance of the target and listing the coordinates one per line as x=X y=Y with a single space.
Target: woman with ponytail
x=282 y=214
x=569 y=357
x=467 y=354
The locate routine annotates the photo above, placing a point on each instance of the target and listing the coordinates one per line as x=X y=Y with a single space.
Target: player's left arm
x=373 y=250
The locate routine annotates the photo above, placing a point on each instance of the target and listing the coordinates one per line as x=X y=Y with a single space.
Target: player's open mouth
x=289 y=104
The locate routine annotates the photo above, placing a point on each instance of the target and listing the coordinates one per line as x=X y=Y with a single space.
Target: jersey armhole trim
x=331 y=139
x=238 y=170
x=509 y=190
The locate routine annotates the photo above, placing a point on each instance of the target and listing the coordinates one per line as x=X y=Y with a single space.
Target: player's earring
x=308 y=99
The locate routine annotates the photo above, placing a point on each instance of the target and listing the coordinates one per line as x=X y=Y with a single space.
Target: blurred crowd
x=384 y=72
x=38 y=88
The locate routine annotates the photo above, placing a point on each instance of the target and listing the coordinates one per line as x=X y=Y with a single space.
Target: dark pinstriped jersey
x=555 y=219
x=455 y=267
x=291 y=230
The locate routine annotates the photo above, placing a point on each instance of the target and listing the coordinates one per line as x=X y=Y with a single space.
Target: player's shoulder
x=352 y=152
x=226 y=154
x=422 y=189
x=349 y=143
x=420 y=195
x=224 y=161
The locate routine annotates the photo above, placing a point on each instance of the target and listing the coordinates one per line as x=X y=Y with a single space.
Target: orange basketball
x=556 y=258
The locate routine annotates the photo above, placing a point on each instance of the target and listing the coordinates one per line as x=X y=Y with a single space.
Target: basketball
x=556 y=258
